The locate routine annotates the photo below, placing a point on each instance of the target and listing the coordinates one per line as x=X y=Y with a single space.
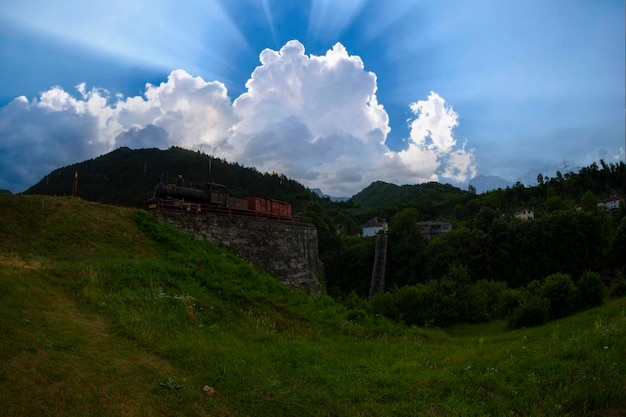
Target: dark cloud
x=36 y=139
x=150 y=136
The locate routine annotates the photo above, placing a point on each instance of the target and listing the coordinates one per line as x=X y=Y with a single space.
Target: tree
x=589 y=202
x=591 y=290
x=618 y=246
x=404 y=223
x=405 y=248
x=484 y=218
x=532 y=312
x=554 y=202
x=560 y=291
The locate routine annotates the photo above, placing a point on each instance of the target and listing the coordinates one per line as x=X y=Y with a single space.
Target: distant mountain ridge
x=128 y=177
x=382 y=194
x=321 y=194
x=484 y=183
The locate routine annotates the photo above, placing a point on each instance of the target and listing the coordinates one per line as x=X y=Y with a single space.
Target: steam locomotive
x=212 y=197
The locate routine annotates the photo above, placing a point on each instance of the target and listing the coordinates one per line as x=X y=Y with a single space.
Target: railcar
x=212 y=197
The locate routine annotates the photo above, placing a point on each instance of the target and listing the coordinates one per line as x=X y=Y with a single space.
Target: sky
x=335 y=94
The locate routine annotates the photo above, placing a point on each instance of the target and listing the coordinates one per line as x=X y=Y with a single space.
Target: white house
x=610 y=203
x=525 y=214
x=375 y=225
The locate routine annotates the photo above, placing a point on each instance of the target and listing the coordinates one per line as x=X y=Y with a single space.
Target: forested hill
x=381 y=194
x=128 y=177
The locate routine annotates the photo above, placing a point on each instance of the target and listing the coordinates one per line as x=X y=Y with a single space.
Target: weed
x=170 y=383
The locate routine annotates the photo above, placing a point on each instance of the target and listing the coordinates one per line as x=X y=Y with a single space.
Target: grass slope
x=104 y=311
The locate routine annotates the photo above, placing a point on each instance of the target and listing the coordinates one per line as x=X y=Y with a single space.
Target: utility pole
x=75 y=184
x=210 y=163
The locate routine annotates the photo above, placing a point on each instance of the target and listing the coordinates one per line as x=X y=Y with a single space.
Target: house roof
x=375 y=222
x=432 y=223
x=610 y=199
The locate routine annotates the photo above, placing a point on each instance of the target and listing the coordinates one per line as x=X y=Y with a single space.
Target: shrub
x=353 y=301
x=356 y=316
x=618 y=289
x=510 y=300
x=384 y=305
x=415 y=304
x=480 y=302
x=533 y=312
x=560 y=291
x=591 y=290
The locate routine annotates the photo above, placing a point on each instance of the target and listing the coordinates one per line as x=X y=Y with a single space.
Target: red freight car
x=269 y=207
x=281 y=209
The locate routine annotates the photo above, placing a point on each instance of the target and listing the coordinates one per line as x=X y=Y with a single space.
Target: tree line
x=492 y=265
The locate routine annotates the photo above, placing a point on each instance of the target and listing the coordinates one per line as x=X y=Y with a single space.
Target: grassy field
x=105 y=312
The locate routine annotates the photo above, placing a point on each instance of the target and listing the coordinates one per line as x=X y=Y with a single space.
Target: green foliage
x=405 y=260
x=510 y=300
x=618 y=288
x=555 y=203
x=556 y=296
x=533 y=311
x=451 y=299
x=482 y=301
x=416 y=304
x=484 y=218
x=591 y=290
x=404 y=223
x=589 y=202
x=422 y=197
x=343 y=277
x=561 y=293
x=385 y=305
x=618 y=247
x=518 y=252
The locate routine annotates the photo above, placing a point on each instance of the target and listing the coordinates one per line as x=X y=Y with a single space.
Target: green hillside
x=381 y=194
x=127 y=177
x=106 y=312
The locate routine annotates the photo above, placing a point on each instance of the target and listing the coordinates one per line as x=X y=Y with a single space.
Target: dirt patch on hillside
x=13 y=260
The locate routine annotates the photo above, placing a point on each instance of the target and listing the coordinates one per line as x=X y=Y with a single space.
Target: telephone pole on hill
x=75 y=184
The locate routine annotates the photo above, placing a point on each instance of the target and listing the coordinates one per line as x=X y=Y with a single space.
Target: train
x=212 y=197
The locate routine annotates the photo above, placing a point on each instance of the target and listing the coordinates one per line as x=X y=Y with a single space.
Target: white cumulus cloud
x=431 y=151
x=314 y=118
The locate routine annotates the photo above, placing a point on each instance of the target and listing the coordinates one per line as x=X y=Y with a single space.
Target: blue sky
x=335 y=94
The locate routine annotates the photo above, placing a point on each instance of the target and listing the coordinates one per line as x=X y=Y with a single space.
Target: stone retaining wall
x=287 y=251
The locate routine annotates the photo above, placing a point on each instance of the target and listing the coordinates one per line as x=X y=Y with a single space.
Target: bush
x=533 y=312
x=560 y=291
x=480 y=302
x=384 y=305
x=591 y=290
x=510 y=300
x=618 y=289
x=356 y=316
x=415 y=304
x=353 y=301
